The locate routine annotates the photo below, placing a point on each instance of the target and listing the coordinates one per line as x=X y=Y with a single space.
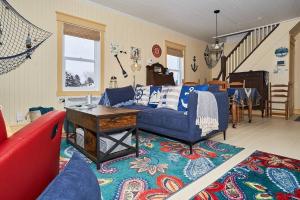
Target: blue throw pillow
x=77 y=182
x=202 y=87
x=214 y=88
x=118 y=95
x=155 y=92
x=184 y=95
x=122 y=104
x=104 y=101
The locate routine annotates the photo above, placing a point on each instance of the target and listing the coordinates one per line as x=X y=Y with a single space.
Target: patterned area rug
x=260 y=176
x=163 y=167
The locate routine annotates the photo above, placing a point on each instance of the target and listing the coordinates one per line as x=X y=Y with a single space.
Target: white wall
x=34 y=82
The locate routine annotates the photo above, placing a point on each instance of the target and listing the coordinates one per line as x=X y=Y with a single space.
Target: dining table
x=242 y=97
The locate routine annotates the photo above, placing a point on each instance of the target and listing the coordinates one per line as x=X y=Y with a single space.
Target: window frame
x=62 y=19
x=180 y=47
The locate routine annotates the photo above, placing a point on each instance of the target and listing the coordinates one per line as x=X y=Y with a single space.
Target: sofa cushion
x=155 y=92
x=118 y=95
x=77 y=182
x=165 y=118
x=142 y=95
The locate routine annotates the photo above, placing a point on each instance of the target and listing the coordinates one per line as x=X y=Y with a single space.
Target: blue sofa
x=169 y=123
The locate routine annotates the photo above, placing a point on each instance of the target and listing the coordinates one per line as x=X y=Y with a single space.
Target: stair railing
x=244 y=49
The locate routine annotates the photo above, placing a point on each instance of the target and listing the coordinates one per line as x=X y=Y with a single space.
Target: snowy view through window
x=81 y=56
x=175 y=65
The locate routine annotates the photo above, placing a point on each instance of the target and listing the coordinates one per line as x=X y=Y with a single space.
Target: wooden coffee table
x=101 y=122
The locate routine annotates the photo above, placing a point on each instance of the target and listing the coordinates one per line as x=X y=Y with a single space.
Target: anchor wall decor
x=194 y=66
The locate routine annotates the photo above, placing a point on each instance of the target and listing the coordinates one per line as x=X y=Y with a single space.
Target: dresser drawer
x=117 y=122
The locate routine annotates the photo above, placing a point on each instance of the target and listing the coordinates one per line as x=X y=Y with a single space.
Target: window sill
x=77 y=93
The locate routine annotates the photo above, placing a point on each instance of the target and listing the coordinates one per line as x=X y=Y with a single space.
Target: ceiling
x=196 y=17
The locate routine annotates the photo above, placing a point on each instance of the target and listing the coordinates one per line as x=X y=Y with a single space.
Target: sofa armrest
x=223 y=111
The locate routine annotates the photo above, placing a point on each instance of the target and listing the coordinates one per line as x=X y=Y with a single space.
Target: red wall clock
x=156 y=51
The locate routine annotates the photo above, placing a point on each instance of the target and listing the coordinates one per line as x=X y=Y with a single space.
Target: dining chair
x=190 y=83
x=241 y=105
x=222 y=84
x=279 y=94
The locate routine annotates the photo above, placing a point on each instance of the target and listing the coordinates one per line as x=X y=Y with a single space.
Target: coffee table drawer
x=117 y=122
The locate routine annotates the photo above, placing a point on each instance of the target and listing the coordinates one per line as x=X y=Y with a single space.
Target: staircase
x=244 y=49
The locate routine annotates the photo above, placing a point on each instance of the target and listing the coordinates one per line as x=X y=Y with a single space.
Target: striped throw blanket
x=207 y=112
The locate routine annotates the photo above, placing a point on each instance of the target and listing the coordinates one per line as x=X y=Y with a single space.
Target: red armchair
x=29 y=159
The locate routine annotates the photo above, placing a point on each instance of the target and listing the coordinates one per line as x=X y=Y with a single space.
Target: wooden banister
x=239 y=44
x=254 y=50
x=244 y=49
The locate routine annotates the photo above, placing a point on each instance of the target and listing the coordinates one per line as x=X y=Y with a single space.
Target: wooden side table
x=101 y=122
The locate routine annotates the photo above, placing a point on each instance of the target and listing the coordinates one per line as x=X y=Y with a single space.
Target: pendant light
x=214 y=51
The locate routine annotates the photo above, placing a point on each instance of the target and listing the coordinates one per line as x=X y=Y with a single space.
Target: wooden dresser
x=254 y=79
x=157 y=75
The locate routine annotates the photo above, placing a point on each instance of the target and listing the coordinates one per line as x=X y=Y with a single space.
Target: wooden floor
x=274 y=135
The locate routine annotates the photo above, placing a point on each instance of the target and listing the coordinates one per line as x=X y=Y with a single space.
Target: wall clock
x=156 y=51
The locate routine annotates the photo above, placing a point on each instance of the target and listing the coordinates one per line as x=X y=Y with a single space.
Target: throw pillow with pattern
x=169 y=97
x=155 y=93
x=184 y=95
x=142 y=95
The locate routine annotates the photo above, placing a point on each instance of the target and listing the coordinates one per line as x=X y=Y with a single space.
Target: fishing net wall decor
x=18 y=38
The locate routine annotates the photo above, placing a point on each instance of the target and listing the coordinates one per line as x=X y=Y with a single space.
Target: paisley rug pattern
x=260 y=176
x=163 y=167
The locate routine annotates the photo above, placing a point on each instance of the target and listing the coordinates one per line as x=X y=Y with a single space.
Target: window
x=80 y=56
x=80 y=66
x=175 y=65
x=175 y=60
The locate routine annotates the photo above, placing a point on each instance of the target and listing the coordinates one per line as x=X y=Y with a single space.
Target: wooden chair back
x=190 y=83
x=222 y=84
x=237 y=84
x=279 y=94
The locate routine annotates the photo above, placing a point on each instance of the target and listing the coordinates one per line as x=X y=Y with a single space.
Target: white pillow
x=142 y=95
x=169 y=97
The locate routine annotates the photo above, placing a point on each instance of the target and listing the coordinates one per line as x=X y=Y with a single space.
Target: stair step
x=277 y=113
x=279 y=95
x=278 y=109
x=278 y=101
x=279 y=90
x=280 y=85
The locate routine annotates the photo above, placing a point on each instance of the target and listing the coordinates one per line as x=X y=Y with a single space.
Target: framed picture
x=135 y=53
